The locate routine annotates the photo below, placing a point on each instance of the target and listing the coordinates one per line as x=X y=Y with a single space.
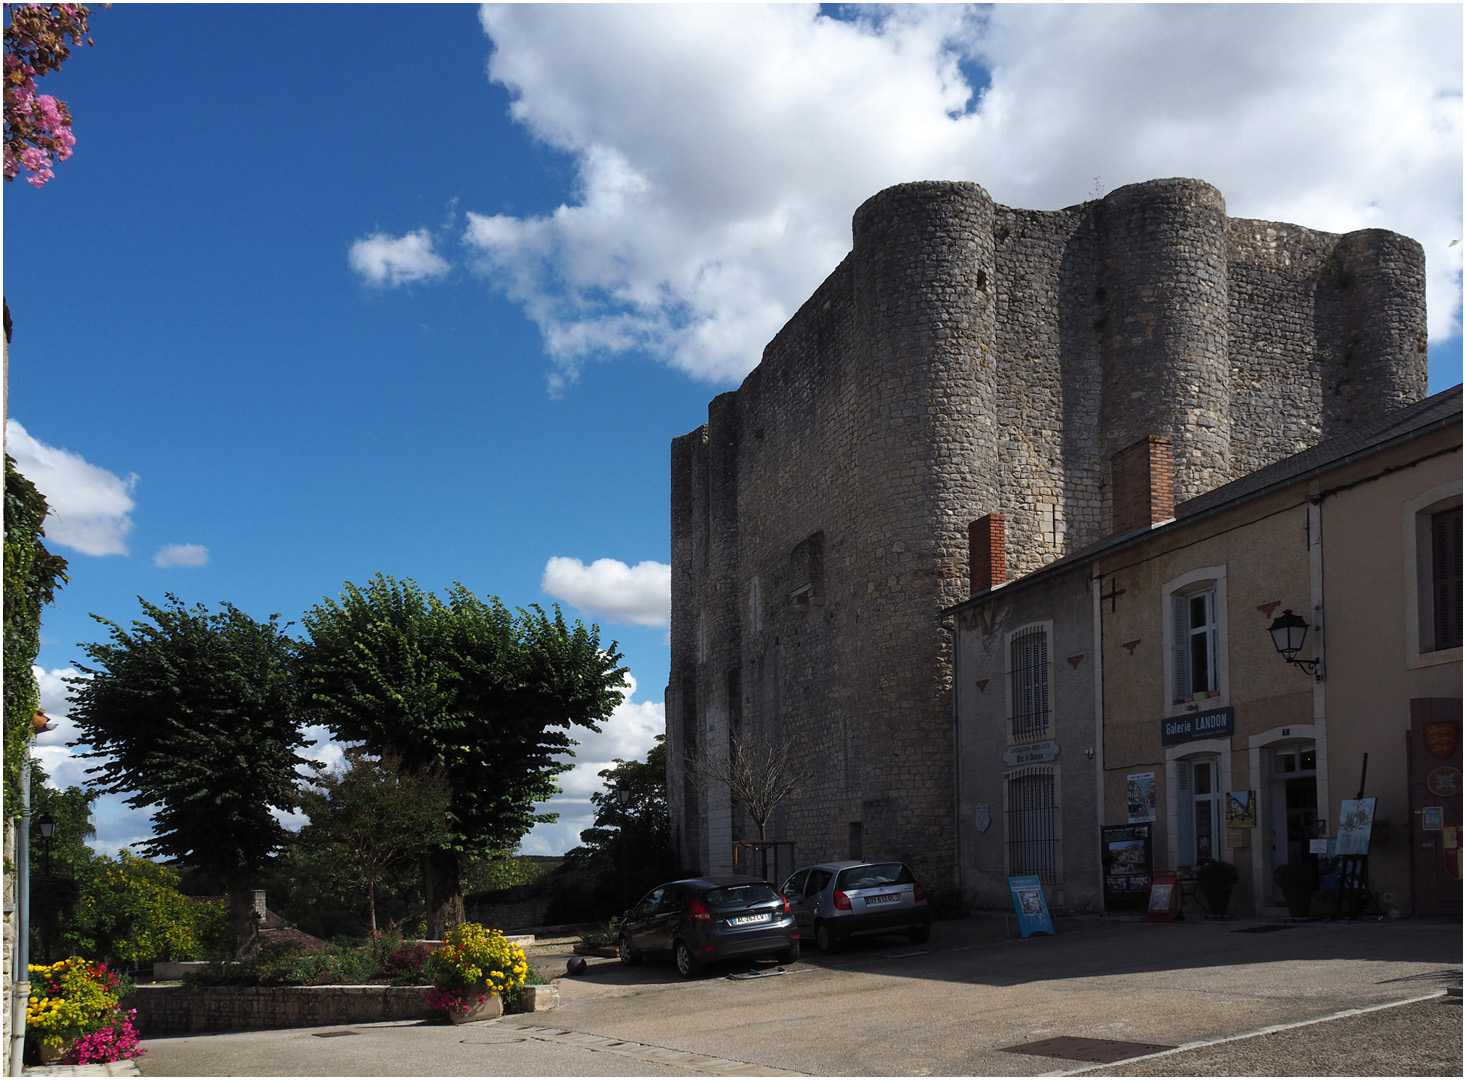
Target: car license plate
x=883 y=898
x=745 y=920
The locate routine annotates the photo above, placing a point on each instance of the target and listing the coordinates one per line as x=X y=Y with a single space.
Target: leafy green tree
x=132 y=912
x=632 y=840
x=71 y=811
x=32 y=575
x=369 y=816
x=467 y=686
x=57 y=864
x=197 y=716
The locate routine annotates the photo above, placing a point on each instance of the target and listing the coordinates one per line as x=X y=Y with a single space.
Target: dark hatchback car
x=699 y=921
x=836 y=901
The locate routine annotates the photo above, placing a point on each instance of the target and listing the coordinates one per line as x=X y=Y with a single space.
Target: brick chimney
x=987 y=553
x=1143 y=484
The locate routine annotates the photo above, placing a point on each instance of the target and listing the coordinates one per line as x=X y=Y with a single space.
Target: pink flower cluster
x=453 y=1000
x=111 y=1043
x=37 y=126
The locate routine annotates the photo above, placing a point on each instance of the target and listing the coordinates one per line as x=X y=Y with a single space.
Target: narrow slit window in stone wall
x=807 y=571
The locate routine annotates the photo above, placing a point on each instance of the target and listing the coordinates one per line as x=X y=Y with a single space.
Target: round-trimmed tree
x=196 y=717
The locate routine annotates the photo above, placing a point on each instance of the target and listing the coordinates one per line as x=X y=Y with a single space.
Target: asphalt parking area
x=958 y=1005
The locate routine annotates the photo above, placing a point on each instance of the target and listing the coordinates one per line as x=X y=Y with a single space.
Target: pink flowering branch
x=37 y=126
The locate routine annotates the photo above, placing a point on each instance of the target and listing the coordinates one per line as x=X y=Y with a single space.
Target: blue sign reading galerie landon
x=1203 y=725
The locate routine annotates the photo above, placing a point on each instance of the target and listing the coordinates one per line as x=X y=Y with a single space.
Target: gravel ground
x=1422 y=1038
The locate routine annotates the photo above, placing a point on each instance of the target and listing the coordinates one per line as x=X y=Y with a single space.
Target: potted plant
x=1298 y=881
x=471 y=969
x=75 y=1013
x=1214 y=879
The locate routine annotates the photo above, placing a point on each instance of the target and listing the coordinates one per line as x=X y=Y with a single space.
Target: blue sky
x=428 y=290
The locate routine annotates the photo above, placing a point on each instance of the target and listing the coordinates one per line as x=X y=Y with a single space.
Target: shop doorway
x=1294 y=801
x=1435 y=806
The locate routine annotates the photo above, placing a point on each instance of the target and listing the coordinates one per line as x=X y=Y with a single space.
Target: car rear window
x=740 y=895
x=874 y=876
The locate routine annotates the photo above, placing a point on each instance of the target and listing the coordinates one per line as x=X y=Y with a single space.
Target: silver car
x=833 y=902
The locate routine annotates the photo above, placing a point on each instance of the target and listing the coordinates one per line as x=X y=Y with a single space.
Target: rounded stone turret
x=1382 y=364
x=924 y=285
x=1163 y=300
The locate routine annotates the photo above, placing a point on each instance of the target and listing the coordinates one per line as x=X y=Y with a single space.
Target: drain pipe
x=20 y=983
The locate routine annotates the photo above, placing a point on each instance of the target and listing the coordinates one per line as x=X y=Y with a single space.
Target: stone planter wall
x=181 y=1010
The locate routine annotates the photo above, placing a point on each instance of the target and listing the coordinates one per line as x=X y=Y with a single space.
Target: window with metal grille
x=1033 y=815
x=1028 y=683
x=1445 y=544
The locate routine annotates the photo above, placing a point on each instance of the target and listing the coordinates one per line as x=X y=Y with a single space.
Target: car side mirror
x=627 y=915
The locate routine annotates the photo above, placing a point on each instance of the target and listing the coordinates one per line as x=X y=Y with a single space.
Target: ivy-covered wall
x=32 y=575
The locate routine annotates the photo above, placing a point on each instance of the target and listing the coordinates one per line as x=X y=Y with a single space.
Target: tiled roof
x=1412 y=420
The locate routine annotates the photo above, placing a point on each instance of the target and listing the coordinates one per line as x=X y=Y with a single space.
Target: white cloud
x=182 y=555
x=399 y=260
x=630 y=732
x=640 y=594
x=91 y=508
x=721 y=150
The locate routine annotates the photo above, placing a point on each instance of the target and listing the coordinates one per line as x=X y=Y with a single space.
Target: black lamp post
x=1289 y=631
x=623 y=800
x=46 y=825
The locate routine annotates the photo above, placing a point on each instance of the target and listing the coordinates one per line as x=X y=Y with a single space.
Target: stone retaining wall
x=164 y=1011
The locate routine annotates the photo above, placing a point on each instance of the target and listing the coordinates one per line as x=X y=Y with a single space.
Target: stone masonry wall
x=165 y=1011
x=968 y=358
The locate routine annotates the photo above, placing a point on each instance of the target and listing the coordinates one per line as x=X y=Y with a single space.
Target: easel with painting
x=1356 y=823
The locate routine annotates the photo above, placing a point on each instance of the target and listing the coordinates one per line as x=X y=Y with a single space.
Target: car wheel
x=789 y=955
x=825 y=940
x=921 y=934
x=623 y=948
x=687 y=965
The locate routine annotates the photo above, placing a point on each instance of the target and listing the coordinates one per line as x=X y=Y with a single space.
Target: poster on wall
x=1126 y=854
x=1241 y=810
x=1356 y=819
x=1030 y=905
x=1140 y=796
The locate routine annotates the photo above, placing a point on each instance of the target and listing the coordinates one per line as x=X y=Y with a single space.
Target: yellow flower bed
x=70 y=998
x=475 y=955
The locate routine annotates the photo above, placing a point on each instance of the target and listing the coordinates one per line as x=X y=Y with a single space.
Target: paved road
x=958 y=1005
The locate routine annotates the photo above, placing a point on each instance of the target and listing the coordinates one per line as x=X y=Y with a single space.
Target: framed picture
x=1432 y=818
x=1241 y=809
x=1140 y=796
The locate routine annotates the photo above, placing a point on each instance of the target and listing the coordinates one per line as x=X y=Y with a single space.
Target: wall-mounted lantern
x=1289 y=631
x=46 y=826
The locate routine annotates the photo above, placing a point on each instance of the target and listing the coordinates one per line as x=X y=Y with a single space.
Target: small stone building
x=968 y=358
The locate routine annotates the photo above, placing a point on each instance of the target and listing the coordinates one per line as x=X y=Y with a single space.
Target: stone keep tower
x=965 y=358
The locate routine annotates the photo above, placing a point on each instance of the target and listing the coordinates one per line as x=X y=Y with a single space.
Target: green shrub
x=130 y=911
x=601 y=937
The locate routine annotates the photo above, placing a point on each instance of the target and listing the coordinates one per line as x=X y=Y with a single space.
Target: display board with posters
x=1126 y=853
x=1030 y=905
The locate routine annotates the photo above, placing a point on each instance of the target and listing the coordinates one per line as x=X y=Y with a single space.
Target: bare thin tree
x=758 y=775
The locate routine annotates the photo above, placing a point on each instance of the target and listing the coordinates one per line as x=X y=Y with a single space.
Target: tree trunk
x=445 y=894
x=372 y=905
x=242 y=914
